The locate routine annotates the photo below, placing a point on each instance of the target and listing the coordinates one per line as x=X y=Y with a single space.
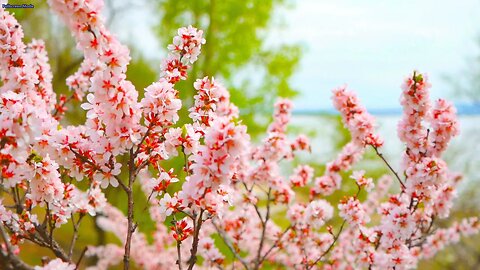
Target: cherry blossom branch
x=264 y=227
x=227 y=242
x=12 y=262
x=178 y=244
x=45 y=239
x=42 y=238
x=389 y=166
x=275 y=244
x=10 y=257
x=77 y=265
x=335 y=238
x=221 y=155
x=193 y=251
x=120 y=182
x=130 y=227
x=50 y=243
x=179 y=254
x=59 y=108
x=86 y=160
x=421 y=239
x=75 y=233
x=150 y=126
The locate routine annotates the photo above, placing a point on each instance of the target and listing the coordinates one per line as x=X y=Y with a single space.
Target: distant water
x=462 y=109
x=463 y=154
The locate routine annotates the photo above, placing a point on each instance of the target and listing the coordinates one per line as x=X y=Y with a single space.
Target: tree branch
x=264 y=228
x=389 y=166
x=80 y=258
x=75 y=234
x=130 y=227
x=335 y=238
x=275 y=244
x=193 y=251
x=230 y=246
x=9 y=260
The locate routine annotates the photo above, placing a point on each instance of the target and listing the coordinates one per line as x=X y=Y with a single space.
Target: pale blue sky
x=370 y=45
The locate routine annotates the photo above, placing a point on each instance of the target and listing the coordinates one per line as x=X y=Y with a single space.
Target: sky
x=369 y=45
x=372 y=45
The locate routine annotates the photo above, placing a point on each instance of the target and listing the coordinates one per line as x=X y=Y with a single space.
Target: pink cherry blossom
x=362 y=181
x=302 y=175
x=352 y=210
x=56 y=264
x=318 y=212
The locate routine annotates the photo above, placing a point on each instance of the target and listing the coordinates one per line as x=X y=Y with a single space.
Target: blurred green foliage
x=236 y=52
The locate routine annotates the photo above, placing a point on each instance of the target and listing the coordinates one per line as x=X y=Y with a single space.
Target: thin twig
x=150 y=126
x=230 y=245
x=264 y=228
x=49 y=242
x=335 y=238
x=179 y=254
x=86 y=160
x=119 y=180
x=75 y=233
x=179 y=243
x=275 y=244
x=10 y=259
x=6 y=240
x=193 y=250
x=56 y=111
x=77 y=265
x=389 y=166
x=130 y=226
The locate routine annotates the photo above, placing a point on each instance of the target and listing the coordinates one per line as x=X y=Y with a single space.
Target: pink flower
x=56 y=264
x=168 y=205
x=108 y=176
x=355 y=117
x=353 y=212
x=210 y=252
x=161 y=104
x=301 y=143
x=281 y=116
x=187 y=44
x=185 y=50
x=445 y=126
x=191 y=139
x=302 y=175
x=46 y=184
x=331 y=181
x=362 y=181
x=173 y=139
x=211 y=101
x=318 y=212
x=296 y=213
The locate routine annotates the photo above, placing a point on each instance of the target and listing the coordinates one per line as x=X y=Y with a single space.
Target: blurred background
x=261 y=49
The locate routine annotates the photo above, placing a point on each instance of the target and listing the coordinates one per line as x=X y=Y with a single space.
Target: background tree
x=466 y=85
x=236 y=33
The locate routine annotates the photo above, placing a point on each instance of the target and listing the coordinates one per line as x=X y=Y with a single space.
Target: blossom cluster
x=184 y=50
x=361 y=126
x=252 y=197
